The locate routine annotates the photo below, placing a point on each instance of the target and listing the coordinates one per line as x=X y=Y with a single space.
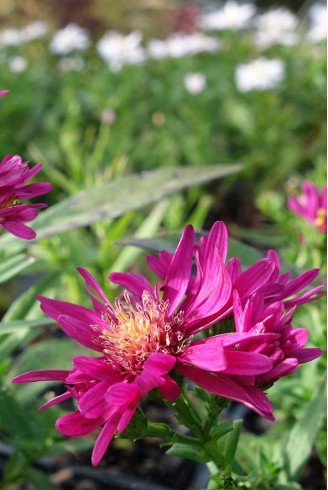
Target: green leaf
x=228 y=443
x=221 y=429
x=190 y=451
x=116 y=198
x=17 y=325
x=302 y=436
x=13 y=266
x=39 y=479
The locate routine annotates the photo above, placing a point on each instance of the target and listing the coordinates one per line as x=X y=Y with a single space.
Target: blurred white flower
x=118 y=50
x=318 y=23
x=277 y=26
x=71 y=38
x=260 y=74
x=17 y=64
x=14 y=36
x=34 y=30
x=231 y=16
x=195 y=82
x=67 y=63
x=180 y=45
x=11 y=37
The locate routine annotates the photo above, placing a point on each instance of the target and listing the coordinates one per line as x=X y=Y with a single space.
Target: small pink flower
x=14 y=174
x=148 y=333
x=311 y=205
x=3 y=92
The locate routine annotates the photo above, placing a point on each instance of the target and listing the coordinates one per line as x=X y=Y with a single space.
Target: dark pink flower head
x=146 y=335
x=282 y=344
x=311 y=205
x=14 y=174
x=3 y=92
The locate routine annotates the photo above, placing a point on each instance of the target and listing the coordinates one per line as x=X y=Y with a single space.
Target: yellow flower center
x=140 y=331
x=8 y=204
x=320 y=219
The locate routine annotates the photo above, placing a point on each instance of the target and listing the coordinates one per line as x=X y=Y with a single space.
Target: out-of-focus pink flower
x=3 y=92
x=14 y=174
x=311 y=205
x=148 y=333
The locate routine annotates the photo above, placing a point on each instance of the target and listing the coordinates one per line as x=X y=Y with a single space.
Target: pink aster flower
x=311 y=205
x=146 y=335
x=14 y=174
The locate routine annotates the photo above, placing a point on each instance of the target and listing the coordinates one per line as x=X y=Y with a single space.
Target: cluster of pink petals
x=147 y=335
x=311 y=205
x=14 y=174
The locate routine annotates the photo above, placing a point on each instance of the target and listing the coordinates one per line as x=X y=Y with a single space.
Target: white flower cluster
x=71 y=38
x=275 y=27
x=181 y=45
x=15 y=36
x=260 y=74
x=318 y=23
x=231 y=16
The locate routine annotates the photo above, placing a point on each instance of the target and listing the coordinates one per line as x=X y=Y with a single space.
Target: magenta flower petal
x=287 y=366
x=170 y=389
x=209 y=356
x=246 y=363
x=157 y=365
x=178 y=274
x=19 y=229
x=57 y=399
x=306 y=355
x=120 y=394
x=104 y=438
x=79 y=331
x=54 y=308
x=41 y=375
x=160 y=264
x=33 y=190
x=3 y=92
x=96 y=368
x=74 y=424
x=230 y=387
x=91 y=404
x=254 y=277
x=135 y=283
x=128 y=413
x=92 y=285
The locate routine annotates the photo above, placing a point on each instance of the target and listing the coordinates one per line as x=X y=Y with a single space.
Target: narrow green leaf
x=13 y=266
x=18 y=325
x=194 y=452
x=304 y=433
x=220 y=430
x=228 y=443
x=119 y=196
